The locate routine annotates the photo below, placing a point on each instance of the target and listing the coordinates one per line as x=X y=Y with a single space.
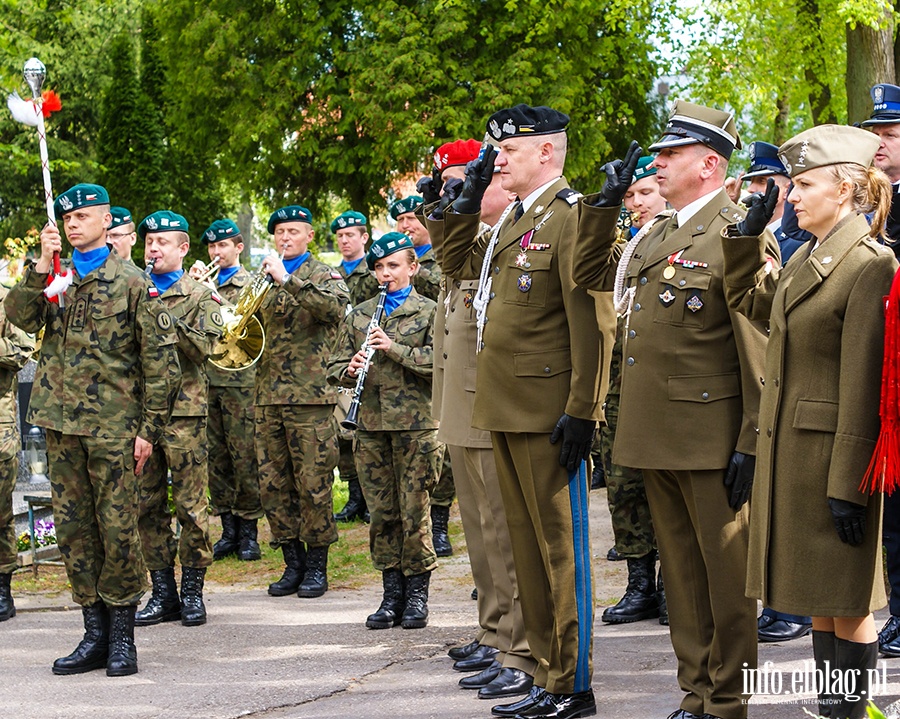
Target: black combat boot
x=440 y=517
x=122 y=652
x=392 y=604
x=249 y=547
x=193 y=611
x=854 y=658
x=228 y=544
x=415 y=613
x=315 y=580
x=598 y=476
x=356 y=503
x=639 y=601
x=93 y=650
x=163 y=605
x=824 y=647
x=7 y=607
x=294 y=567
x=661 y=600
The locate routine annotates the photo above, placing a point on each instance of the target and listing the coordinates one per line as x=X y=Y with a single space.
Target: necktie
x=519 y=211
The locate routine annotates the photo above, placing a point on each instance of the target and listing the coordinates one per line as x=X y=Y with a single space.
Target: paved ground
x=289 y=658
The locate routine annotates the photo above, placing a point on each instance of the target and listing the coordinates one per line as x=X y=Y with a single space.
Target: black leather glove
x=739 y=479
x=849 y=520
x=619 y=174
x=760 y=208
x=577 y=436
x=479 y=174
x=452 y=188
x=430 y=187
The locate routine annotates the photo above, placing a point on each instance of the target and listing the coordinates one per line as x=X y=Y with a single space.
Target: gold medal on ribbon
x=669 y=272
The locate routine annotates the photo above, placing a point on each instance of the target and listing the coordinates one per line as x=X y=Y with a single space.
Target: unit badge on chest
x=667 y=298
x=694 y=303
x=524 y=283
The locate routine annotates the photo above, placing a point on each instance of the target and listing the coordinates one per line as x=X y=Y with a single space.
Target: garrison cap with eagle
x=290 y=213
x=82 y=195
x=120 y=216
x=689 y=124
x=764 y=161
x=348 y=219
x=219 y=230
x=828 y=145
x=886 y=105
x=407 y=204
x=163 y=221
x=387 y=244
x=524 y=120
x=456 y=153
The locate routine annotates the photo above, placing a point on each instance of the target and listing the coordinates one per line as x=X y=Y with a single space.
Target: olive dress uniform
x=543 y=355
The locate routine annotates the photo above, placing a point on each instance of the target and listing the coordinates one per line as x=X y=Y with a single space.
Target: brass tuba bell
x=243 y=339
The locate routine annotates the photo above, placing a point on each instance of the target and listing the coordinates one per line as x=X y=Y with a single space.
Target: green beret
x=120 y=216
x=407 y=204
x=348 y=219
x=82 y=195
x=643 y=169
x=162 y=221
x=828 y=145
x=291 y=213
x=220 y=230
x=386 y=245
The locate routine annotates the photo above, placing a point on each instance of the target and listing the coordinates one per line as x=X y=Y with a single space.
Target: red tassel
x=51 y=103
x=883 y=473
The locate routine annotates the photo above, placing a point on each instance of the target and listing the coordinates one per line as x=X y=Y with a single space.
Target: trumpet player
x=182 y=448
x=398 y=455
x=296 y=433
x=233 y=474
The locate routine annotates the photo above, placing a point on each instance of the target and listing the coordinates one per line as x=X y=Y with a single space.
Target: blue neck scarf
x=292 y=265
x=351 y=265
x=395 y=299
x=87 y=262
x=166 y=280
x=226 y=273
x=421 y=250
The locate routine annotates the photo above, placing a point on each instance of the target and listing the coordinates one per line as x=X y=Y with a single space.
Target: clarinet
x=353 y=413
x=149 y=268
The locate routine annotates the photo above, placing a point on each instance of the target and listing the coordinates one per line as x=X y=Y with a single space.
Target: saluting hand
x=761 y=207
x=479 y=173
x=739 y=479
x=577 y=436
x=430 y=187
x=733 y=187
x=452 y=189
x=849 y=520
x=51 y=241
x=619 y=174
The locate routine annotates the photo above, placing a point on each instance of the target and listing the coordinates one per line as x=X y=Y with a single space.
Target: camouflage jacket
x=361 y=283
x=108 y=365
x=301 y=320
x=427 y=280
x=230 y=291
x=196 y=311
x=397 y=392
x=15 y=351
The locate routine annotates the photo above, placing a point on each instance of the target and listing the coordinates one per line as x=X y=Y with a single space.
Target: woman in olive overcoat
x=815 y=537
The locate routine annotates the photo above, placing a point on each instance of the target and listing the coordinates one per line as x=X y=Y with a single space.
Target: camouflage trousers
x=397 y=470
x=625 y=493
x=445 y=490
x=297 y=451
x=9 y=470
x=346 y=461
x=96 y=497
x=181 y=451
x=233 y=474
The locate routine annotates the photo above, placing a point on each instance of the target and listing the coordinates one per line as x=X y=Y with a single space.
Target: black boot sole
x=381 y=625
x=630 y=618
x=414 y=623
x=193 y=622
x=170 y=616
x=283 y=592
x=83 y=669
x=8 y=615
x=127 y=671
x=311 y=593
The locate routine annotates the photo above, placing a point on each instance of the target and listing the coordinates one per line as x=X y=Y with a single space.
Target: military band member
x=397 y=453
x=182 y=448
x=233 y=473
x=296 y=433
x=107 y=374
x=15 y=351
x=538 y=383
x=500 y=649
x=121 y=233
x=691 y=381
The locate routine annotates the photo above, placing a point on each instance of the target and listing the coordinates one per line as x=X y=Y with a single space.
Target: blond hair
x=870 y=192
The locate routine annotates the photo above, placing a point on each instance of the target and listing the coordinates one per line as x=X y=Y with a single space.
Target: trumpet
x=351 y=420
x=209 y=274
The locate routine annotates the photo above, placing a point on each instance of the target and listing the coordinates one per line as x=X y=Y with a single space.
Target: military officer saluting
x=107 y=374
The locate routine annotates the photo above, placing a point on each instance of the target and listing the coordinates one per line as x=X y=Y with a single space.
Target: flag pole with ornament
x=33 y=114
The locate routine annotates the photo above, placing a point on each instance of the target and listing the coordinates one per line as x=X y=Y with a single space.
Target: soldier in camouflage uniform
x=15 y=350
x=121 y=234
x=397 y=453
x=107 y=374
x=196 y=314
x=233 y=473
x=296 y=434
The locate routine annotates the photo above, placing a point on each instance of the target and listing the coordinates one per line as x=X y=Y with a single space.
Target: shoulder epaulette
x=569 y=195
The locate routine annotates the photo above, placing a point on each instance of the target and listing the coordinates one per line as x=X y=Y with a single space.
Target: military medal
x=667 y=298
x=521 y=259
x=694 y=303
x=524 y=283
x=669 y=272
x=467 y=299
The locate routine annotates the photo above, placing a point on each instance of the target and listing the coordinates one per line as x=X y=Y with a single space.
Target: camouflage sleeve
x=325 y=295
x=200 y=328
x=16 y=347
x=427 y=281
x=25 y=305
x=159 y=365
x=344 y=348
x=418 y=360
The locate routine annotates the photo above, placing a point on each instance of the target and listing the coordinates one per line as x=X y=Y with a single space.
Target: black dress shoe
x=510 y=710
x=508 y=683
x=457 y=653
x=889 y=632
x=783 y=631
x=891 y=649
x=480 y=659
x=483 y=678
x=764 y=621
x=682 y=714
x=561 y=706
x=613 y=556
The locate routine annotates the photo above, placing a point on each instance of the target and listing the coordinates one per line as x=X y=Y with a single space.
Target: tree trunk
x=780 y=130
x=870 y=60
x=245 y=225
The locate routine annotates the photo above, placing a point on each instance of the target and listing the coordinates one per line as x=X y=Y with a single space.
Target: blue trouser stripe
x=578 y=499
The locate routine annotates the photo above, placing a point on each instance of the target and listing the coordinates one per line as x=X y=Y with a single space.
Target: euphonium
x=351 y=420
